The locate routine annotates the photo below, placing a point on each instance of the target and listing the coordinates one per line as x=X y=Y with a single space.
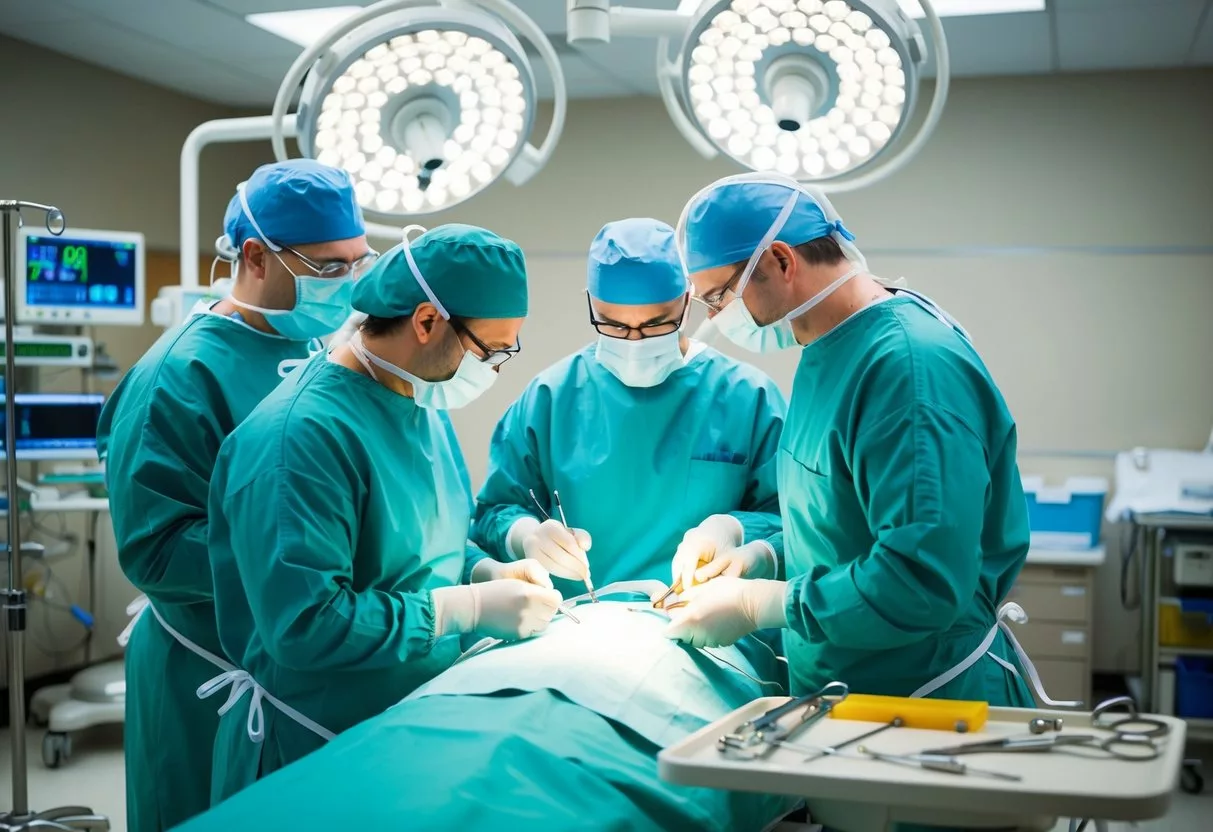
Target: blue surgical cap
x=295 y=203
x=635 y=261
x=726 y=222
x=473 y=272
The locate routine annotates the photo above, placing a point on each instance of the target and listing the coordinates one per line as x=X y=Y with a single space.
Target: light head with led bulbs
x=424 y=102
x=818 y=90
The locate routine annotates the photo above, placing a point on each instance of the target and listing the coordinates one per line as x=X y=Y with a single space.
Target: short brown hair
x=382 y=327
x=824 y=251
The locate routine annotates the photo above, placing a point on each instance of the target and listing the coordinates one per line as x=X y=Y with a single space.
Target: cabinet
x=1057 y=637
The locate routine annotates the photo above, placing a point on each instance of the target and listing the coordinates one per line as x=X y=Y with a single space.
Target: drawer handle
x=1073 y=637
x=1073 y=591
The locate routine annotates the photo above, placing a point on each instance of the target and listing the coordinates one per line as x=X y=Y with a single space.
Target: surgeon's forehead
x=634 y=314
x=348 y=250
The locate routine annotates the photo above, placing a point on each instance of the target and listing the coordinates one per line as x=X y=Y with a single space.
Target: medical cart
x=860 y=794
x=1168 y=668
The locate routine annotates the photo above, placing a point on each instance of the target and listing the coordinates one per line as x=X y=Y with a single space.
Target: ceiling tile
x=1157 y=35
x=586 y=80
x=132 y=54
x=1005 y=44
x=1201 y=51
x=1107 y=5
x=14 y=14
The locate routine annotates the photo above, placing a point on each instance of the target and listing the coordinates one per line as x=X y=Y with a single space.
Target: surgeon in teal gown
x=340 y=511
x=654 y=442
x=159 y=434
x=904 y=516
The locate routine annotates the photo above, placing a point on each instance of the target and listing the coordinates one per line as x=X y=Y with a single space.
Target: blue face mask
x=322 y=305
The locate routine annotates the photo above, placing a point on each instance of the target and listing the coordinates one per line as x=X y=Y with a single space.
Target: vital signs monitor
x=80 y=278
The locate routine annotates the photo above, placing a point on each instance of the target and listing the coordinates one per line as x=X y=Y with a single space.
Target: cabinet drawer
x=1069 y=602
x=1047 y=639
x=1064 y=679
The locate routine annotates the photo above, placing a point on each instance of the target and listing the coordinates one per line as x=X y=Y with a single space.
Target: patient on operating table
x=556 y=732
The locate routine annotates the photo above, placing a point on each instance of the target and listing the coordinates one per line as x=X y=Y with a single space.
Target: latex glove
x=702 y=545
x=559 y=550
x=508 y=609
x=528 y=570
x=722 y=611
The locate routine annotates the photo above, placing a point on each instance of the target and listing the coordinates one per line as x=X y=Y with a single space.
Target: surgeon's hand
x=527 y=570
x=720 y=612
x=713 y=548
x=559 y=550
x=508 y=609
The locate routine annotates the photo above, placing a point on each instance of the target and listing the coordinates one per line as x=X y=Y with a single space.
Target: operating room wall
x=1065 y=220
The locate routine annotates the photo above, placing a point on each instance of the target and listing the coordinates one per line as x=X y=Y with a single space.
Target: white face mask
x=737 y=324
x=644 y=362
x=472 y=379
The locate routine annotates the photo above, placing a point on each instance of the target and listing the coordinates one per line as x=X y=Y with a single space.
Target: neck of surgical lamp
x=423 y=133
x=797 y=87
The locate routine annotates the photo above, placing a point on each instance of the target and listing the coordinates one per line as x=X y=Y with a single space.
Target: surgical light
x=820 y=90
x=424 y=105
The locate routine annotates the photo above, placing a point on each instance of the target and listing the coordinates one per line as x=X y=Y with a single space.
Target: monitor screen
x=55 y=425
x=81 y=278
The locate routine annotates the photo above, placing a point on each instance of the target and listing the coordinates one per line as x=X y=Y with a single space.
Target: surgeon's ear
x=254 y=258
x=425 y=316
x=785 y=259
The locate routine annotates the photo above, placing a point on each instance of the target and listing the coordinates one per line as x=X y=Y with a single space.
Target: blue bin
x=1194 y=687
x=1066 y=517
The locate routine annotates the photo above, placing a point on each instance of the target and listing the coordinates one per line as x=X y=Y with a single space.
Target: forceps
x=564 y=522
x=767 y=731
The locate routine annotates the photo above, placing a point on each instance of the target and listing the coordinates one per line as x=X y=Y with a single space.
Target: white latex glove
x=722 y=611
x=528 y=570
x=507 y=609
x=559 y=550
x=715 y=541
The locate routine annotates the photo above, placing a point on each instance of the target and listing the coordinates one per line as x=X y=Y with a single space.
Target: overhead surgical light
x=819 y=90
x=424 y=102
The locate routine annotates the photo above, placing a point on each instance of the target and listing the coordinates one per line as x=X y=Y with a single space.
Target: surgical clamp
x=767 y=730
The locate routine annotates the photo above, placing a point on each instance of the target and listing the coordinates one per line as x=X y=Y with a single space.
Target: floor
x=94 y=777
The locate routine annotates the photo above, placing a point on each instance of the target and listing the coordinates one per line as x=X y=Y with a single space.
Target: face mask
x=321 y=306
x=641 y=363
x=472 y=379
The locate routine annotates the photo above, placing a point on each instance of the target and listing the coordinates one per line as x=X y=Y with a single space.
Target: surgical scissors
x=1132 y=738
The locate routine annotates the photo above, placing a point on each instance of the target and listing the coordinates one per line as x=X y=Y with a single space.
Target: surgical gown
x=636 y=466
x=904 y=515
x=335 y=508
x=159 y=433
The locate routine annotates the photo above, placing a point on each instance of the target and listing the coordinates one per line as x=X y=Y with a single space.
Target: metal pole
x=14 y=602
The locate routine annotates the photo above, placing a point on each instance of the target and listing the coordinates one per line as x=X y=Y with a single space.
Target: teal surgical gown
x=636 y=466
x=159 y=433
x=335 y=508
x=904 y=516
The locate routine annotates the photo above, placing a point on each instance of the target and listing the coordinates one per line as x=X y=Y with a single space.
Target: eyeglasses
x=714 y=300
x=492 y=357
x=623 y=331
x=337 y=268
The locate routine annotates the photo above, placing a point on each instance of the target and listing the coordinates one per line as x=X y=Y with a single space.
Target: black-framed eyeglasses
x=492 y=357
x=622 y=331
x=337 y=268
x=714 y=299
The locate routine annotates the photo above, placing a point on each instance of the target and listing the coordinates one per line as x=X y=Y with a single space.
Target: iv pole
x=20 y=818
